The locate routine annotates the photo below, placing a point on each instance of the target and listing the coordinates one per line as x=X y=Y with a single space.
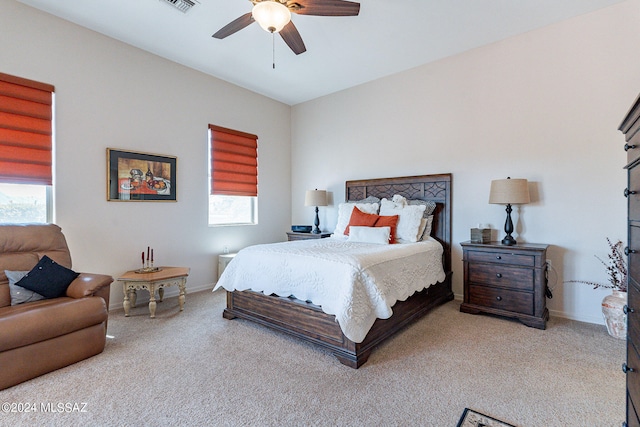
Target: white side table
x=223 y=261
x=158 y=280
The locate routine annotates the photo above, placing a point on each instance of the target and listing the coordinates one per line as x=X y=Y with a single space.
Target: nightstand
x=223 y=261
x=291 y=235
x=506 y=280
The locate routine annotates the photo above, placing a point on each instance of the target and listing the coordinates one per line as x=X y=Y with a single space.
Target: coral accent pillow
x=390 y=221
x=360 y=219
x=344 y=214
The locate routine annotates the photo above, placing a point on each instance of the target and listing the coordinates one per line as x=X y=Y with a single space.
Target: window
x=233 y=177
x=26 y=140
x=24 y=203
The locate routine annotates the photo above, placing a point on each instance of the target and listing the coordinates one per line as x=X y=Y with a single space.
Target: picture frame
x=140 y=177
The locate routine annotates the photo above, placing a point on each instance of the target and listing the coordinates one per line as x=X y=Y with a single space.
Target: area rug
x=471 y=418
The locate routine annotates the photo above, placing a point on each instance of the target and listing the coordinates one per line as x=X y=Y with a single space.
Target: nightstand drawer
x=299 y=236
x=501 y=258
x=502 y=299
x=293 y=235
x=501 y=275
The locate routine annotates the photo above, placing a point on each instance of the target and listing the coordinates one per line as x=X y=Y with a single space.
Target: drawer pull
x=499 y=298
x=626 y=369
x=627 y=192
x=628 y=251
x=498 y=257
x=499 y=275
x=626 y=310
x=628 y=147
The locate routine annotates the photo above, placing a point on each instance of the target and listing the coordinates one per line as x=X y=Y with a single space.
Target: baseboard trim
x=572 y=316
x=557 y=313
x=173 y=291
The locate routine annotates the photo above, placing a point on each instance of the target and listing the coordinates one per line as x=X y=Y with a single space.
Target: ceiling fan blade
x=325 y=7
x=292 y=38
x=234 y=26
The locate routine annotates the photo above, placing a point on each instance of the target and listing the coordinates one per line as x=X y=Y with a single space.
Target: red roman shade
x=234 y=162
x=25 y=131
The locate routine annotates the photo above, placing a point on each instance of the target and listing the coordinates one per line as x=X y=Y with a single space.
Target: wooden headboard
x=436 y=188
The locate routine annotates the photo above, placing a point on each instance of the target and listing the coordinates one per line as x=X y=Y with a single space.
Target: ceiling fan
x=275 y=17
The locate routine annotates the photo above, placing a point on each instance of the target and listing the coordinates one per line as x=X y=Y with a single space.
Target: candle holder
x=148 y=267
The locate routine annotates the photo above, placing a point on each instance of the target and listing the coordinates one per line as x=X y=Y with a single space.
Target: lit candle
x=151 y=255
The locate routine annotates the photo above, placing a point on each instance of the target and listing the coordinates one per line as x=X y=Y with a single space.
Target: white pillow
x=344 y=214
x=409 y=219
x=379 y=235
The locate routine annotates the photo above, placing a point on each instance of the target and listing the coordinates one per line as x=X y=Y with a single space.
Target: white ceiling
x=387 y=37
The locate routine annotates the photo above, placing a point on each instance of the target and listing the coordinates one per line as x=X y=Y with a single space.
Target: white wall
x=544 y=106
x=109 y=94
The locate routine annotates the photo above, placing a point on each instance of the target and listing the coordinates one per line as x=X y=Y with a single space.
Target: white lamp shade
x=509 y=191
x=271 y=15
x=315 y=198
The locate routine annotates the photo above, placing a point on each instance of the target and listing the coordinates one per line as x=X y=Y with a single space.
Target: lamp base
x=316 y=222
x=508 y=228
x=509 y=241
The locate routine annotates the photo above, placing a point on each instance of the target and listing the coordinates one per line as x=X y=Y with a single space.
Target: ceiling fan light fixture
x=271 y=15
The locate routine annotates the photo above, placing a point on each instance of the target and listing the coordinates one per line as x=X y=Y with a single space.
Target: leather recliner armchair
x=41 y=336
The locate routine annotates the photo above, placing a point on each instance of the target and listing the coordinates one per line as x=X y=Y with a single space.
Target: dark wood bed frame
x=308 y=322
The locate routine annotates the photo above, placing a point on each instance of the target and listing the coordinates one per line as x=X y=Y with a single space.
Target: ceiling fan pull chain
x=273 y=49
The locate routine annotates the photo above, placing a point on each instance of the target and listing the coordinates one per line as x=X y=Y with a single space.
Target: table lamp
x=509 y=192
x=316 y=198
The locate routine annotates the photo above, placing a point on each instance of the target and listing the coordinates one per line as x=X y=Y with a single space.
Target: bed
x=307 y=321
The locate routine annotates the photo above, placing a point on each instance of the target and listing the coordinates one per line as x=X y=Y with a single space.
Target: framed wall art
x=133 y=176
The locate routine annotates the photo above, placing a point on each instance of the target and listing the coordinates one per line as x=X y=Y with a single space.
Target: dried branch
x=616 y=269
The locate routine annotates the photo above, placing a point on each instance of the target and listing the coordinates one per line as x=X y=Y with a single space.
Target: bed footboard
x=308 y=322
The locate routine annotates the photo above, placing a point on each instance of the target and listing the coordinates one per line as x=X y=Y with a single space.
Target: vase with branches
x=613 y=305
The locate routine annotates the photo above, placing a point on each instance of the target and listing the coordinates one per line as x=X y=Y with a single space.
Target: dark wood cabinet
x=506 y=280
x=630 y=127
x=292 y=235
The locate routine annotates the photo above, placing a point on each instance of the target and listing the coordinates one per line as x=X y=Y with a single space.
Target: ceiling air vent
x=182 y=5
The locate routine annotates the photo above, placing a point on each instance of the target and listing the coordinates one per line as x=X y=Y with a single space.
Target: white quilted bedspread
x=356 y=282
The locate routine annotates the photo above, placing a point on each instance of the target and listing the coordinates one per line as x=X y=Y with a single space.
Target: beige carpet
x=197 y=369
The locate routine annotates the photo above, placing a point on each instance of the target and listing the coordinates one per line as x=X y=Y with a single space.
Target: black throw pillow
x=48 y=278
